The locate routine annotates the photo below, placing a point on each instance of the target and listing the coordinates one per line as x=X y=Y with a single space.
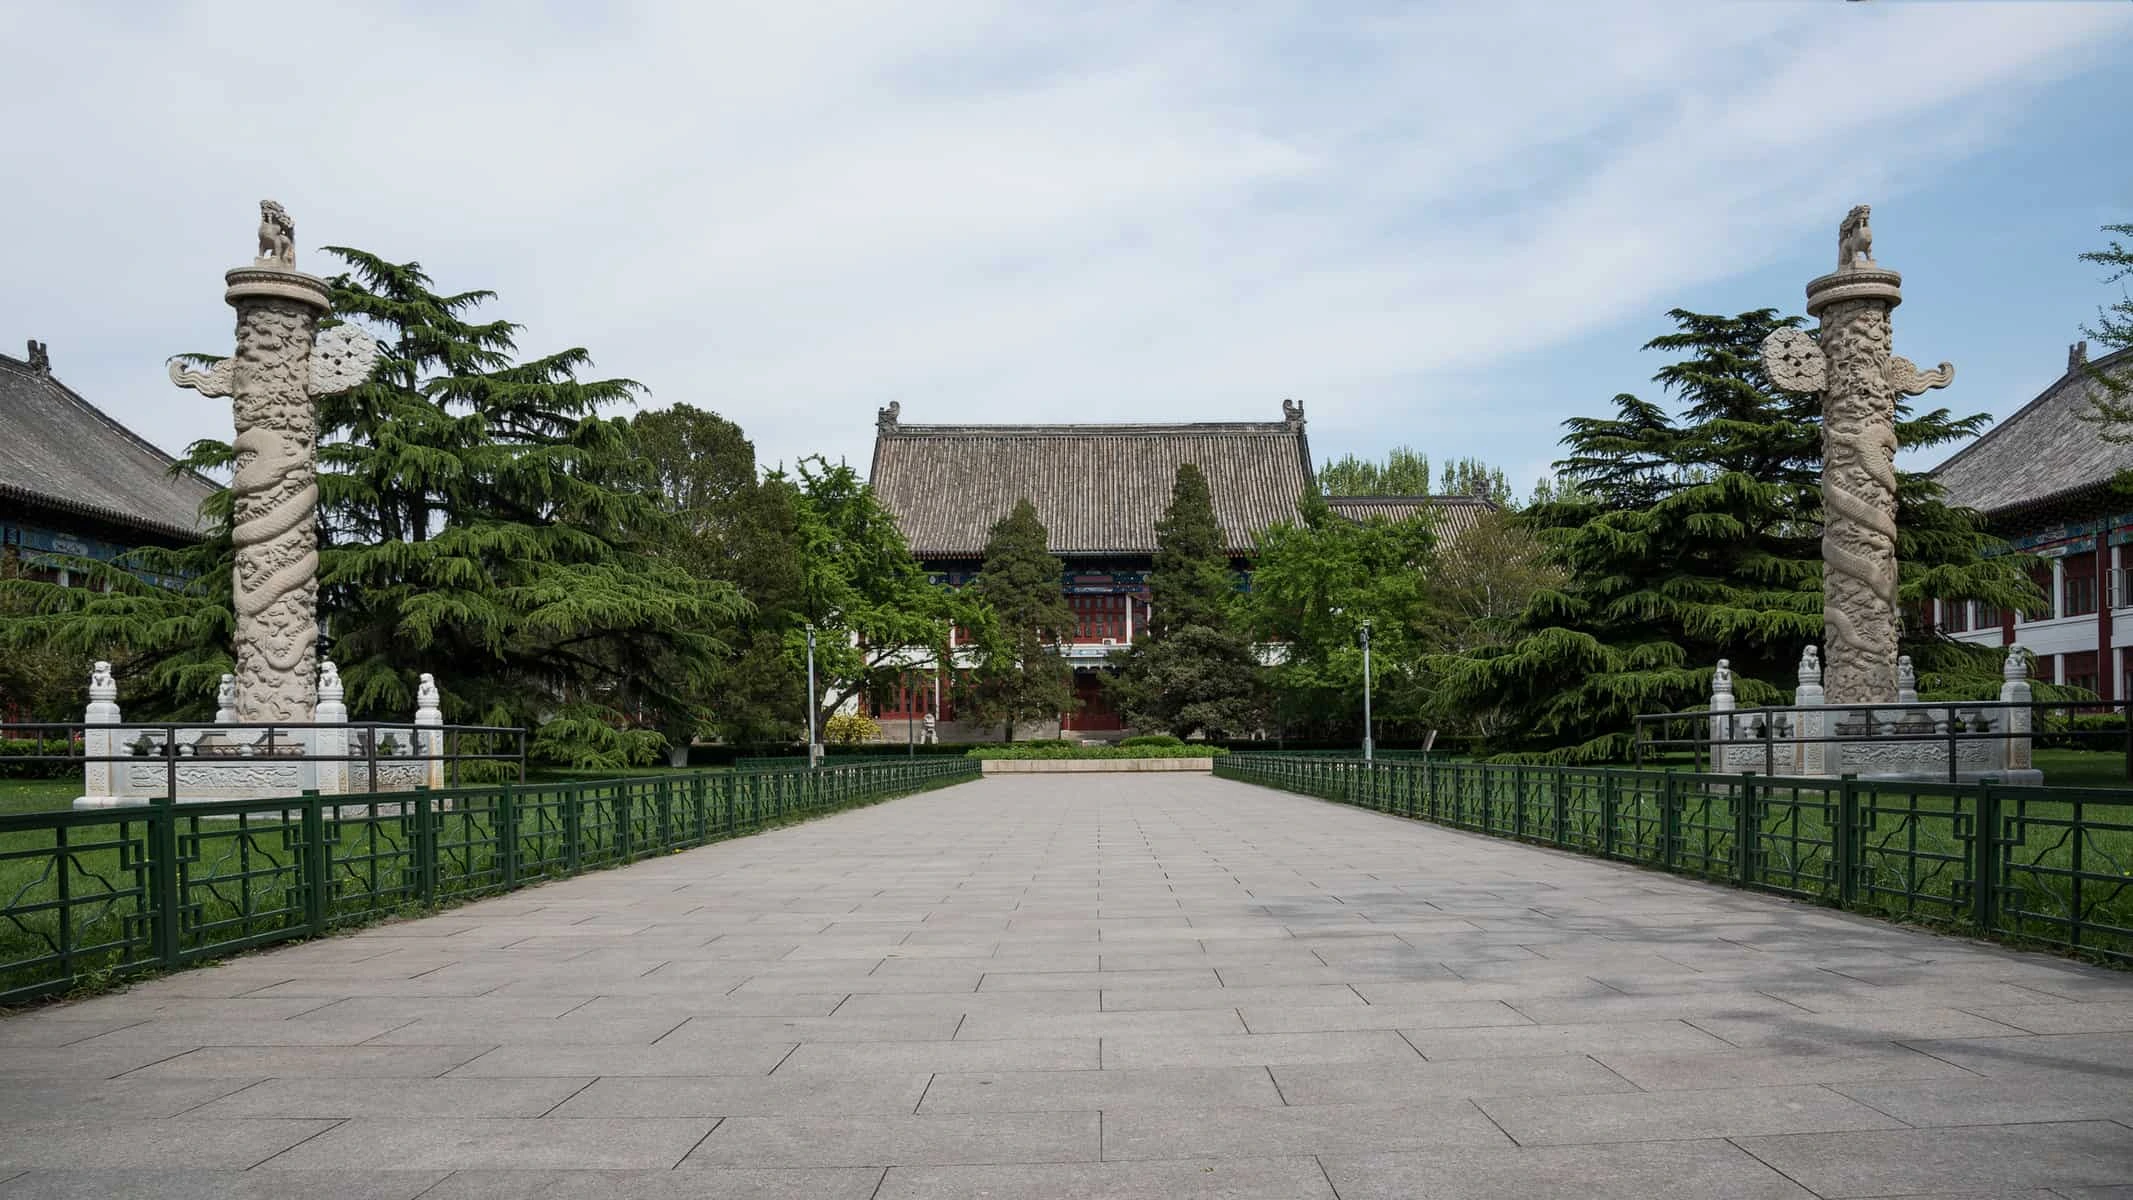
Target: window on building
x=1955 y=616
x=2080 y=587
x=1988 y=617
x=1098 y=617
x=2042 y=577
x=2081 y=670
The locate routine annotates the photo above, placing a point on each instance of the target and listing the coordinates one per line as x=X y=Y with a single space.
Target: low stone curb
x=1041 y=766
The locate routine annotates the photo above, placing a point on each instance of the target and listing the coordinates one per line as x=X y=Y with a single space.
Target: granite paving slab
x=1687 y=1170
x=1213 y=1179
x=2073 y=1154
x=162 y=1183
x=498 y=1143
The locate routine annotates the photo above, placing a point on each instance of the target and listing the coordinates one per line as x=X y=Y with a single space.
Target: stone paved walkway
x=1143 y=987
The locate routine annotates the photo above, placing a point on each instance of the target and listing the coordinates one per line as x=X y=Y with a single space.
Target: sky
x=1449 y=227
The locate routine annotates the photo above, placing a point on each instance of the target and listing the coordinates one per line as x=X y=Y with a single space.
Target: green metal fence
x=2041 y=864
x=93 y=894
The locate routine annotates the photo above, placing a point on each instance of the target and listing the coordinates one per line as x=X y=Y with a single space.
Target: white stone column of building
x=2058 y=587
x=2114 y=593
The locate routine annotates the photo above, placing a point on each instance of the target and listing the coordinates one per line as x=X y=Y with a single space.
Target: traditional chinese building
x=75 y=482
x=2043 y=480
x=1099 y=490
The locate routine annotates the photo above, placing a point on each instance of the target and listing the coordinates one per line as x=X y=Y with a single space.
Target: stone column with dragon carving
x=282 y=364
x=1860 y=379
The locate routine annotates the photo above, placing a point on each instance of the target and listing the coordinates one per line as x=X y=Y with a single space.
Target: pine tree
x=1693 y=538
x=733 y=526
x=1018 y=675
x=482 y=516
x=1192 y=583
x=1196 y=672
x=162 y=616
x=2113 y=330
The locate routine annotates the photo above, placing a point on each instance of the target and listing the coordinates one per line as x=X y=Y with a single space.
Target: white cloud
x=796 y=212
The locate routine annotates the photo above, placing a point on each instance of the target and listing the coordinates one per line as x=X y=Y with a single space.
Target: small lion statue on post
x=1855 y=239
x=277 y=234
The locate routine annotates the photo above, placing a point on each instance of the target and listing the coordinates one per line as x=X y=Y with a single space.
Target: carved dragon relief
x=1860 y=381
x=282 y=364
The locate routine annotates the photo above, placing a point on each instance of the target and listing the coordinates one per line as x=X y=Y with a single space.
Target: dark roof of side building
x=1449 y=516
x=2045 y=453
x=1099 y=489
x=60 y=452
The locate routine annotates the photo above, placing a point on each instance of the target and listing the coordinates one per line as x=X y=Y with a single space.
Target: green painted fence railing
x=94 y=894
x=2034 y=864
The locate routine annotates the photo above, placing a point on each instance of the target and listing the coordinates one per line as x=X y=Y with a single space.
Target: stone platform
x=1124 y=987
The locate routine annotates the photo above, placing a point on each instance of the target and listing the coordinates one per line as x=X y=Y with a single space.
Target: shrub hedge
x=13 y=766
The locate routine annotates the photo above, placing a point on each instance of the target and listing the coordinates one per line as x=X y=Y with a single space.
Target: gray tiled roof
x=59 y=451
x=1449 y=516
x=2045 y=451
x=1099 y=489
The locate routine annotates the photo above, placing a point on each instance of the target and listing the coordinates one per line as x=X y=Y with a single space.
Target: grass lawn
x=37 y=795
x=2083 y=768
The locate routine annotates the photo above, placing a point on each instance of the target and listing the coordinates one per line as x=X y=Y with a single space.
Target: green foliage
x=1020 y=617
x=2113 y=409
x=1485 y=577
x=1473 y=477
x=851 y=728
x=15 y=762
x=1688 y=538
x=1152 y=740
x=162 y=617
x=1403 y=473
x=1318 y=579
x=38 y=680
x=872 y=606
x=1195 y=672
x=732 y=526
x=481 y=516
x=1054 y=750
x=1317 y=582
x=1192 y=583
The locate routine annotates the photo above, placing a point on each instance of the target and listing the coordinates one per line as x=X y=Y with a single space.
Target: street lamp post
x=1366 y=689
x=814 y=752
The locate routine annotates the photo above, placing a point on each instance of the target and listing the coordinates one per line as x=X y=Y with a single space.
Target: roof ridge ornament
x=1292 y=413
x=40 y=358
x=885 y=417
